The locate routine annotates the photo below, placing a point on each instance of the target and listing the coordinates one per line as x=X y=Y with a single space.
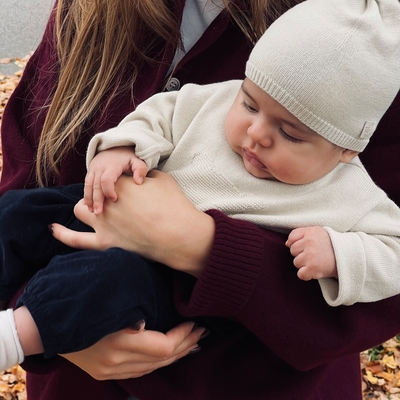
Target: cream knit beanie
x=334 y=64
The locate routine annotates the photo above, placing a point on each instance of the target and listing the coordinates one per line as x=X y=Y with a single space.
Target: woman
x=288 y=343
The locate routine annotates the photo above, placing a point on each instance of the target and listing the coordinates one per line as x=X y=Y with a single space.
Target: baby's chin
x=258 y=172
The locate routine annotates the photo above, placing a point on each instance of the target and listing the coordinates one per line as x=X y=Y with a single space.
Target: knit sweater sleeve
x=149 y=129
x=250 y=278
x=367 y=258
x=156 y=126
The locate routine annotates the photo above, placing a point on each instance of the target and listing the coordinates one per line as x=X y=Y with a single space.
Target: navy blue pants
x=75 y=297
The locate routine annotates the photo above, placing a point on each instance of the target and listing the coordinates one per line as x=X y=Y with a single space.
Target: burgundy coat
x=277 y=338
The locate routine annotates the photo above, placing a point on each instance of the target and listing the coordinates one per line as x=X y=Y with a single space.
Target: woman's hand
x=153 y=219
x=131 y=354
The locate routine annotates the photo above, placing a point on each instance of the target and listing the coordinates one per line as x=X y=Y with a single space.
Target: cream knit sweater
x=182 y=133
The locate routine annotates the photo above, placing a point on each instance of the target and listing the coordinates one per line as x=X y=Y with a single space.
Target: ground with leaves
x=12 y=384
x=380 y=366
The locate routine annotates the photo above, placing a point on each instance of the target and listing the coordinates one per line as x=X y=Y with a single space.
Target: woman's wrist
x=194 y=247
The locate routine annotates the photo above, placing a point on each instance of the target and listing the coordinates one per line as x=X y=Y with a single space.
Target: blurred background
x=22 y=24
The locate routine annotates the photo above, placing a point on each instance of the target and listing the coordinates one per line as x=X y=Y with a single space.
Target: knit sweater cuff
x=351 y=266
x=232 y=270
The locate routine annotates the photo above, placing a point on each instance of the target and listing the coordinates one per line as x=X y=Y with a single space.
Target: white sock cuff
x=11 y=352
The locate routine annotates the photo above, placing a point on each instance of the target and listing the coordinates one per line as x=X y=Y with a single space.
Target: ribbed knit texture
x=239 y=244
x=334 y=64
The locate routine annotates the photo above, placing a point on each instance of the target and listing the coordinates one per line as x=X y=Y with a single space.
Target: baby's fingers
x=305 y=274
x=88 y=190
x=294 y=236
x=139 y=170
x=98 y=198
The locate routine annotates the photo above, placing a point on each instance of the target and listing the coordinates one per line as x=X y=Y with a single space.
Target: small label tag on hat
x=368 y=130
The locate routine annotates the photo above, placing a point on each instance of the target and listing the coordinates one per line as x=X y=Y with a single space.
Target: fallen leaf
x=6 y=60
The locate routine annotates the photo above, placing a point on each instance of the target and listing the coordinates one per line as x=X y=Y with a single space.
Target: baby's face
x=274 y=144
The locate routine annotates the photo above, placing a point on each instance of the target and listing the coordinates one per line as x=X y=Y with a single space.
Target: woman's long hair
x=98 y=41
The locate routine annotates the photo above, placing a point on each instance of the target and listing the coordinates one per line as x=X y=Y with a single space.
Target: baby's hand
x=313 y=253
x=104 y=170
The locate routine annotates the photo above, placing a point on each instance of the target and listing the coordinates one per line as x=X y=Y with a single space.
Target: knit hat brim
x=334 y=64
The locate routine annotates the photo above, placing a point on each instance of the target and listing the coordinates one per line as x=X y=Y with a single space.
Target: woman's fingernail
x=195 y=326
x=138 y=325
x=205 y=333
x=195 y=350
x=50 y=228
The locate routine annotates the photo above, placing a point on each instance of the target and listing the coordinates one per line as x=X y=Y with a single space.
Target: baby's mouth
x=253 y=160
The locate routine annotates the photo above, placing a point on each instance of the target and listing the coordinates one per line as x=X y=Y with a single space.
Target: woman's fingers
x=170 y=344
x=129 y=354
x=77 y=240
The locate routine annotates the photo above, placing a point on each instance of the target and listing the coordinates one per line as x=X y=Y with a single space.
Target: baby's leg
x=81 y=297
x=19 y=337
x=26 y=244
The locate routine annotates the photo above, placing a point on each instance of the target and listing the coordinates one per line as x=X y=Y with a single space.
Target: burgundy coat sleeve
x=250 y=278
